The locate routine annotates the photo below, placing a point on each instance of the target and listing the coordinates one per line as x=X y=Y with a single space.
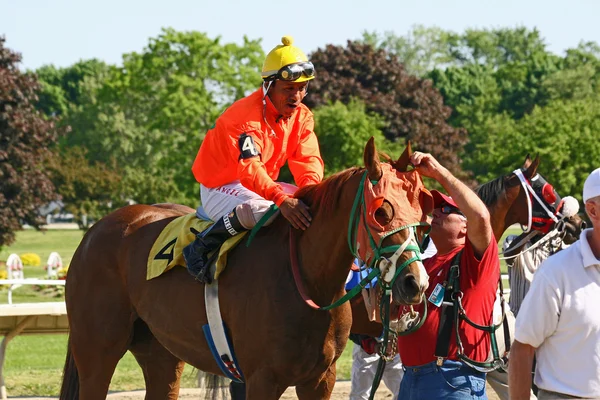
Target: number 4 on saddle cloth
x=167 y=251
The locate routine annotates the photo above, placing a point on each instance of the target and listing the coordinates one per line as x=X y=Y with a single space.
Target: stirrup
x=204 y=274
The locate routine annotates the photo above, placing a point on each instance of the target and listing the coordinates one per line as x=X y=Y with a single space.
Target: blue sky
x=61 y=32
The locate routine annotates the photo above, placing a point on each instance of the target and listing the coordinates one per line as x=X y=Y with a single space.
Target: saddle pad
x=167 y=251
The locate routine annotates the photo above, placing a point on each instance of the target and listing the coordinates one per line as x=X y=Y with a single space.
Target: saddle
x=167 y=250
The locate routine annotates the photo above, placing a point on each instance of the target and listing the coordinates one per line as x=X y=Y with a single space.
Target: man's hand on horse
x=426 y=164
x=295 y=211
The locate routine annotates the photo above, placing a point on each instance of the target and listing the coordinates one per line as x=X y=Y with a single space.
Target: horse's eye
x=384 y=214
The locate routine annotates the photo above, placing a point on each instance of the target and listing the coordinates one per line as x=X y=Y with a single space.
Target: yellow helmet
x=288 y=63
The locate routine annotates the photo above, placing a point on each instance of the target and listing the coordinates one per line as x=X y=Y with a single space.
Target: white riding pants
x=219 y=201
x=364 y=367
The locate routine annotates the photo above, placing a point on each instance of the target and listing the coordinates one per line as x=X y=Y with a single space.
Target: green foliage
x=564 y=134
x=343 y=131
x=62 y=88
x=25 y=139
x=87 y=189
x=410 y=107
x=421 y=50
x=146 y=119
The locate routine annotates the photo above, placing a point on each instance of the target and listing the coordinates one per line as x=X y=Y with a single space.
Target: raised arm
x=479 y=228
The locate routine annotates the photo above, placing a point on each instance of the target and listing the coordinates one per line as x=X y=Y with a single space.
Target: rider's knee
x=249 y=214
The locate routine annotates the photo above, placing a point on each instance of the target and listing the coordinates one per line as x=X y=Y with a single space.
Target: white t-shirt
x=560 y=316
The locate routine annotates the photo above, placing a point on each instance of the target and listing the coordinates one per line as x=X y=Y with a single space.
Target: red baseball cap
x=440 y=198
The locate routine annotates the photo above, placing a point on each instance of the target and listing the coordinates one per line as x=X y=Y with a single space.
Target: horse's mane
x=490 y=192
x=325 y=195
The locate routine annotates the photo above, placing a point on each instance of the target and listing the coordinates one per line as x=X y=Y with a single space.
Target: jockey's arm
x=306 y=164
x=252 y=172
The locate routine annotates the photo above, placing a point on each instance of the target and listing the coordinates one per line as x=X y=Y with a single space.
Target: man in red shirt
x=460 y=221
x=240 y=157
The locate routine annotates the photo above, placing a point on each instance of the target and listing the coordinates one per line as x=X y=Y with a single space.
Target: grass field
x=33 y=364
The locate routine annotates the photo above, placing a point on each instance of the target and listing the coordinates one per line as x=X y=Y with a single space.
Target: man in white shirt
x=559 y=320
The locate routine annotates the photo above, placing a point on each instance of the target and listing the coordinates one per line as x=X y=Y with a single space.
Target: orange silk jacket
x=243 y=146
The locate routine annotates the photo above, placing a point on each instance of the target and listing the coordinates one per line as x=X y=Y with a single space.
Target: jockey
x=241 y=156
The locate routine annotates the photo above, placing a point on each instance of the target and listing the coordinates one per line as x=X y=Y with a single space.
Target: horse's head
x=534 y=203
x=396 y=205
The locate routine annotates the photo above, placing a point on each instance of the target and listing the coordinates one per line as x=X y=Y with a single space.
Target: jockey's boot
x=237 y=390
x=196 y=253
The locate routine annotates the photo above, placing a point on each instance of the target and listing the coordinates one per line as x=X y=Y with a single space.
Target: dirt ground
x=340 y=392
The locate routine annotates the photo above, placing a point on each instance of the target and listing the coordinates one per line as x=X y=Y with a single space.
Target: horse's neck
x=503 y=214
x=323 y=253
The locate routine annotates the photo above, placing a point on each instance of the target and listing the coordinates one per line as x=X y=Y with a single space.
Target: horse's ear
x=372 y=160
x=532 y=168
x=527 y=161
x=402 y=163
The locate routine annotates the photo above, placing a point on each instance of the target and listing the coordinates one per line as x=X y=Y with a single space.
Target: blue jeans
x=453 y=380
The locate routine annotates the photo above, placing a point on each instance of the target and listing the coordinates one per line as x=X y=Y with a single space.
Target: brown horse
x=279 y=341
x=506 y=200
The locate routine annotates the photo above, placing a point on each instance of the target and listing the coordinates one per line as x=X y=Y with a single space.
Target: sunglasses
x=295 y=71
x=448 y=209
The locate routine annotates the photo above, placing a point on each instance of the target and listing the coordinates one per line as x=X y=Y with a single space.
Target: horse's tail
x=70 y=384
x=215 y=386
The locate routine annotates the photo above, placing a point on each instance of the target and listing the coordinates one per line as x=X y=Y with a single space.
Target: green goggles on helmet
x=295 y=71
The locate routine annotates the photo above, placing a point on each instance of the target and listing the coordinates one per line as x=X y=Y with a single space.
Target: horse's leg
x=262 y=385
x=162 y=370
x=322 y=390
x=100 y=318
x=97 y=356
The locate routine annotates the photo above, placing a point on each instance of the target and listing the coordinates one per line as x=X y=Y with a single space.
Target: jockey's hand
x=295 y=211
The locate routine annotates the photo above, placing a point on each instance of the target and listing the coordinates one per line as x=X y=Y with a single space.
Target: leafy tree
x=25 y=137
x=578 y=76
x=495 y=47
x=343 y=131
x=89 y=191
x=62 y=88
x=564 y=134
x=150 y=115
x=411 y=107
x=421 y=50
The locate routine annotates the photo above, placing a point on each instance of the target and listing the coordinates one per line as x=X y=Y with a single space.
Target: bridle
x=549 y=195
x=383 y=268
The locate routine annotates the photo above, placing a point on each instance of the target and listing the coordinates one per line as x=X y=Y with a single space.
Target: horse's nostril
x=410 y=285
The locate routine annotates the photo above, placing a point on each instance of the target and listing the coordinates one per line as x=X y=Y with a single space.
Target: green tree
x=89 y=191
x=150 y=115
x=421 y=50
x=578 y=76
x=25 y=137
x=411 y=107
x=62 y=88
x=343 y=131
x=565 y=134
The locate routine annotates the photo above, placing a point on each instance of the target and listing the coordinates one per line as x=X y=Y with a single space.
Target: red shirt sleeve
x=480 y=271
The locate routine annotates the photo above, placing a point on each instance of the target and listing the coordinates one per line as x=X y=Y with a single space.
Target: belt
x=432 y=367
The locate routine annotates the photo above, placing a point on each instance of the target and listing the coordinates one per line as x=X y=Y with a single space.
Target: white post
x=53 y=264
x=18 y=329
